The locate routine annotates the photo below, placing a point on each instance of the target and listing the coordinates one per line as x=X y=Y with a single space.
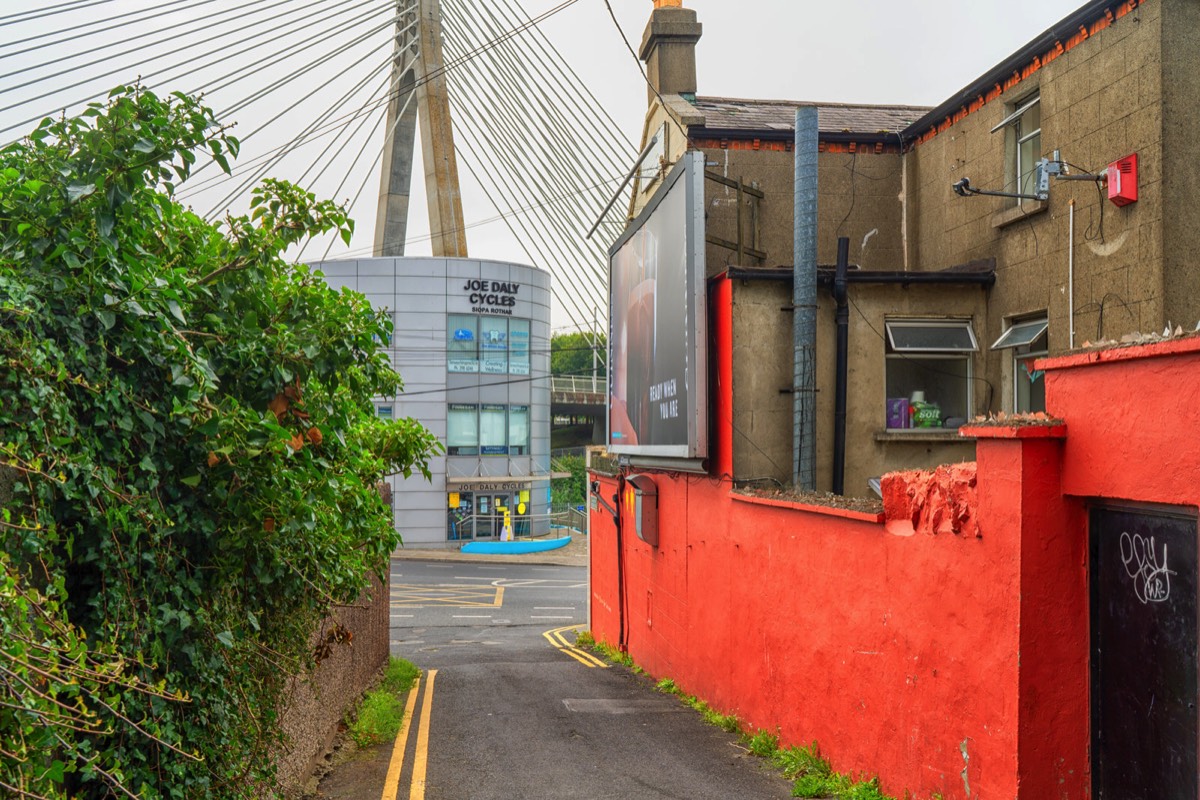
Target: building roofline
x=1054 y=39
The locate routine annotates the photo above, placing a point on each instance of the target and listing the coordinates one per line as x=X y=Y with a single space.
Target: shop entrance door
x=1143 y=654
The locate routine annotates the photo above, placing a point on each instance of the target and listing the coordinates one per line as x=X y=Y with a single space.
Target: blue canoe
x=516 y=547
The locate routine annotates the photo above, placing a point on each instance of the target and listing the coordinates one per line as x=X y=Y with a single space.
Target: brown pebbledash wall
x=318 y=701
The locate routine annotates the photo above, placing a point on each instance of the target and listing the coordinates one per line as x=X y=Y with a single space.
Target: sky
x=856 y=51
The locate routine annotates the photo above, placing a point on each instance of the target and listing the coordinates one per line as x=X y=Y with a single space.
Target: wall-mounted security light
x=1043 y=170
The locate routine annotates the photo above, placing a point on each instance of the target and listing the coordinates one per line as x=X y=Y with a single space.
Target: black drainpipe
x=843 y=346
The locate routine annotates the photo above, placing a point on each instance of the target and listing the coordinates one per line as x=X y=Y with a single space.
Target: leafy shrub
x=188 y=458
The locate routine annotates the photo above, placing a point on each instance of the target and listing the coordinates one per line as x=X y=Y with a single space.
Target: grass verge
x=810 y=773
x=381 y=712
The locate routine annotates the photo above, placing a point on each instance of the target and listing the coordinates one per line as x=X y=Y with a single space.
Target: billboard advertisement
x=657 y=394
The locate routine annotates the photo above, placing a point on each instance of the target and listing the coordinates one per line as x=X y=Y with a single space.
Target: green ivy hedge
x=188 y=453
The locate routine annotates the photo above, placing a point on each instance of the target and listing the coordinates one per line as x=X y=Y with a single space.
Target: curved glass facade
x=472 y=342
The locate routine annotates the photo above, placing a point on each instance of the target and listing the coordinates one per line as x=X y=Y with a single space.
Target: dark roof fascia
x=975 y=273
x=1059 y=32
x=774 y=134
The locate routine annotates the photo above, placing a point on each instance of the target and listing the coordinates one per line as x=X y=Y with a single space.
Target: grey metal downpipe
x=804 y=302
x=843 y=346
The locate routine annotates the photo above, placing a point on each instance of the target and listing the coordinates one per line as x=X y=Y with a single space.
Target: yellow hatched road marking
x=463 y=596
x=421 y=757
x=391 y=784
x=557 y=640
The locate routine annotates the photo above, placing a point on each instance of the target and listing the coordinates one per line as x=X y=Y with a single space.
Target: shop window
x=462 y=430
x=1023 y=145
x=462 y=343
x=518 y=430
x=929 y=375
x=489 y=430
x=493 y=345
x=493 y=434
x=1027 y=339
x=518 y=346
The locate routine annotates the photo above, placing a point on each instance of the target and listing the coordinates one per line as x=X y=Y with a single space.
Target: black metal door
x=1144 y=654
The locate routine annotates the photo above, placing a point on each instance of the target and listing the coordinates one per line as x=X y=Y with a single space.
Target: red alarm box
x=1122 y=180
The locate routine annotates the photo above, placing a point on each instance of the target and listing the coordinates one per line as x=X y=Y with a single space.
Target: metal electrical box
x=1123 y=180
x=641 y=505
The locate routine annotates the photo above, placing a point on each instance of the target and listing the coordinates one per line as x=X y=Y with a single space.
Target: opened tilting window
x=1027 y=340
x=928 y=365
x=1023 y=128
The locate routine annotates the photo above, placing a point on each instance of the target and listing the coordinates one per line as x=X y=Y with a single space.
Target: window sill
x=1009 y=216
x=922 y=435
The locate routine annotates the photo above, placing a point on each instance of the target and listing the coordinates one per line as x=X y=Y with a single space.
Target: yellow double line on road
x=391 y=784
x=556 y=638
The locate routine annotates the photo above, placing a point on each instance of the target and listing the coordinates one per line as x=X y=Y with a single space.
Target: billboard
x=658 y=377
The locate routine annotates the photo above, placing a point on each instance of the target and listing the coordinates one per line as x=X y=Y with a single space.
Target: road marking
x=421 y=756
x=417 y=596
x=554 y=608
x=391 y=784
x=471 y=616
x=556 y=638
x=536 y=616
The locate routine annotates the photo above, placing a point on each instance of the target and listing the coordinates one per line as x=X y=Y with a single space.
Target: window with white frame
x=493 y=345
x=518 y=346
x=493 y=430
x=929 y=372
x=1028 y=341
x=1023 y=128
x=518 y=430
x=488 y=344
x=487 y=429
x=462 y=429
x=462 y=343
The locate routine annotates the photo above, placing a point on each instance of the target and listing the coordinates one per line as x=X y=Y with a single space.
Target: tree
x=571 y=353
x=189 y=458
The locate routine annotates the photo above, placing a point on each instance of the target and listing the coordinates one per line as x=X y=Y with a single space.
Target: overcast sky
x=857 y=51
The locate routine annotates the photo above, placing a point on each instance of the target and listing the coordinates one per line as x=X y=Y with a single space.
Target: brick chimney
x=669 y=48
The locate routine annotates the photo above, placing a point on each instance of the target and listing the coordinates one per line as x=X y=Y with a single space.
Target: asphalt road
x=506 y=712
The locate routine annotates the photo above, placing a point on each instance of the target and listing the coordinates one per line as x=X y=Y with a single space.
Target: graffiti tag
x=1151 y=578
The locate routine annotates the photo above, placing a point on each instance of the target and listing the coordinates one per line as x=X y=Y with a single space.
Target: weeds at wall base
x=810 y=773
x=381 y=712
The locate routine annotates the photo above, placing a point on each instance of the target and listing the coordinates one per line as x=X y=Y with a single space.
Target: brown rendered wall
x=1100 y=101
x=871 y=450
x=1181 y=161
x=762 y=367
x=858 y=194
x=859 y=197
x=318 y=701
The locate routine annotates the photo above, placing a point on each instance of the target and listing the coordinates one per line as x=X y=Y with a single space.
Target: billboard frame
x=690 y=170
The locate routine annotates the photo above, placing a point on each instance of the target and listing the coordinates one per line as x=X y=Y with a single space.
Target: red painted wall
x=1134 y=415
x=944 y=647
x=895 y=653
